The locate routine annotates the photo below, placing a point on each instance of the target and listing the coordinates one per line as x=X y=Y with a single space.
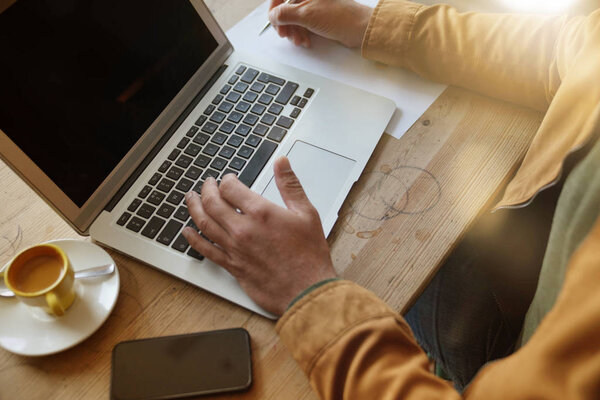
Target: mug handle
x=54 y=304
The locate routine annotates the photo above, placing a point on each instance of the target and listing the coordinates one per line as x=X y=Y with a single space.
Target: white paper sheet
x=412 y=94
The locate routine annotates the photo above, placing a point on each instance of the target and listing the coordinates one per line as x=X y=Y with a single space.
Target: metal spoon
x=84 y=273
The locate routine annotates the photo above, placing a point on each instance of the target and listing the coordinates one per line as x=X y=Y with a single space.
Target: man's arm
x=518 y=58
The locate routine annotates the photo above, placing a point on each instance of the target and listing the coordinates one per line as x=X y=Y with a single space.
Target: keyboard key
x=242 y=106
x=183 y=161
x=263 y=77
x=286 y=93
x=192 y=150
x=146 y=211
x=250 y=97
x=276 y=134
x=165 y=185
x=309 y=92
x=225 y=107
x=233 y=97
x=145 y=192
x=217 y=99
x=229 y=171
x=258 y=109
x=295 y=100
x=226 y=152
x=237 y=163
x=174 y=154
x=235 y=117
x=276 y=80
x=185 y=185
x=272 y=89
x=180 y=244
x=134 y=205
x=268 y=119
x=265 y=99
x=175 y=197
x=210 y=173
x=135 y=224
x=285 y=122
x=201 y=120
x=123 y=218
x=257 y=87
x=261 y=129
x=235 y=141
x=253 y=140
x=183 y=142
x=164 y=166
x=243 y=130
x=156 y=198
x=302 y=103
x=198 y=187
x=165 y=210
x=217 y=117
x=240 y=70
x=218 y=163
x=240 y=87
x=192 y=131
x=233 y=79
x=226 y=127
x=275 y=108
x=218 y=138
x=245 y=152
x=251 y=119
x=225 y=89
x=155 y=178
x=182 y=213
x=193 y=173
x=257 y=163
x=210 y=149
x=167 y=234
x=295 y=112
x=202 y=161
x=153 y=227
x=209 y=109
x=193 y=253
x=249 y=75
x=201 y=138
x=174 y=173
x=209 y=127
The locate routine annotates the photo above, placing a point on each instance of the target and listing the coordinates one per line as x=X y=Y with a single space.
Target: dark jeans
x=472 y=311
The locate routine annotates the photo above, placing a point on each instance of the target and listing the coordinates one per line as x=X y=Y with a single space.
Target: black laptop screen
x=82 y=80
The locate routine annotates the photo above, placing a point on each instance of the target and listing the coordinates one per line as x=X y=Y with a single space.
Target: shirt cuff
x=310 y=289
x=321 y=317
x=389 y=32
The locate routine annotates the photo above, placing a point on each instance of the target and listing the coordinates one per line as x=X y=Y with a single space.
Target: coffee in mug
x=42 y=276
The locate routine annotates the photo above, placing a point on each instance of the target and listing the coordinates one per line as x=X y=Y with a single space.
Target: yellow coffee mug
x=42 y=276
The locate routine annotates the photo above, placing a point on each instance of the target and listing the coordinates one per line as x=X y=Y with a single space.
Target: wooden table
x=417 y=197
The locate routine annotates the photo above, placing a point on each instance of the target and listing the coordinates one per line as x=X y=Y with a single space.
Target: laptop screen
x=82 y=80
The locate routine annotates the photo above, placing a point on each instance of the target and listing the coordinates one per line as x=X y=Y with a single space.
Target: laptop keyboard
x=237 y=133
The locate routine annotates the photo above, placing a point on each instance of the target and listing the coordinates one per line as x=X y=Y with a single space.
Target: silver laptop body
x=328 y=142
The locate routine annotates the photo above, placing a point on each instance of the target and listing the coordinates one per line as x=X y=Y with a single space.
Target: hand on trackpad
x=321 y=173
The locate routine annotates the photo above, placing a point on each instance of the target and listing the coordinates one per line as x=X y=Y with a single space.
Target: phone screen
x=180 y=366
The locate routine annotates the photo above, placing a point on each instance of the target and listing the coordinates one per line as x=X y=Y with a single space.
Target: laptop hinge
x=164 y=139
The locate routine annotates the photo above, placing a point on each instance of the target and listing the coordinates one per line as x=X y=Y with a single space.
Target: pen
x=268 y=24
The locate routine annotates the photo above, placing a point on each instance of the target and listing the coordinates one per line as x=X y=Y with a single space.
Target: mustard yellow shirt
x=349 y=343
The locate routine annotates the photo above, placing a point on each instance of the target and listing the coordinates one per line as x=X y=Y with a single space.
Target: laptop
x=113 y=110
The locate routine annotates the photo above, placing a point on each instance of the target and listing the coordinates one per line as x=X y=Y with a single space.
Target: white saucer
x=32 y=332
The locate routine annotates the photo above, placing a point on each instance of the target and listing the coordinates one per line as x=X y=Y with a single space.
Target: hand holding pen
x=345 y=21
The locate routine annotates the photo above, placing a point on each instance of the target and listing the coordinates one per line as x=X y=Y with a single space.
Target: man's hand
x=342 y=20
x=273 y=252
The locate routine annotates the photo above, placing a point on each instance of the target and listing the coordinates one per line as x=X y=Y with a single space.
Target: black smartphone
x=172 y=367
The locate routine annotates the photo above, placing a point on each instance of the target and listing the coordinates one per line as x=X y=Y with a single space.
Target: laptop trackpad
x=321 y=173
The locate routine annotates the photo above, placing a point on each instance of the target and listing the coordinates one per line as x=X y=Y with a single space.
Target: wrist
x=362 y=16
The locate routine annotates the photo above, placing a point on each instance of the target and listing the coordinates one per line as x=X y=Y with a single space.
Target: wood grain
x=416 y=198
